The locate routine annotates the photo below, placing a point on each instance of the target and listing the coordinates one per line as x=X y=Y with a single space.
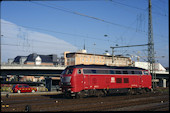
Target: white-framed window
x=38 y=60
x=86 y=59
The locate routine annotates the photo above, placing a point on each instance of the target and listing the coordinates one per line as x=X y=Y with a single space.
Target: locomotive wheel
x=66 y=95
x=79 y=95
x=148 y=90
x=129 y=92
x=132 y=92
x=143 y=91
x=100 y=93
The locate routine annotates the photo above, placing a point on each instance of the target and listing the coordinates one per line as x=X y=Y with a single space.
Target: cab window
x=145 y=73
x=78 y=71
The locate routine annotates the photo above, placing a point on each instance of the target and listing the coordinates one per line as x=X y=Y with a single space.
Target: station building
x=82 y=57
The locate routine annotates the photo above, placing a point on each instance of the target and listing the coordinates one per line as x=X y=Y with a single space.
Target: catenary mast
x=151 y=57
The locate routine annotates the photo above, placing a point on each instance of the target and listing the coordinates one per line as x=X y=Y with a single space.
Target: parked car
x=23 y=88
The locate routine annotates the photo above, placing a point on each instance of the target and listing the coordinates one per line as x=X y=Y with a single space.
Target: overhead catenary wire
x=77 y=13
x=75 y=34
x=84 y=15
x=64 y=33
x=160 y=14
x=46 y=48
x=44 y=41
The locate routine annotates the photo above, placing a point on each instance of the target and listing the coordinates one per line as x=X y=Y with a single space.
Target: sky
x=52 y=27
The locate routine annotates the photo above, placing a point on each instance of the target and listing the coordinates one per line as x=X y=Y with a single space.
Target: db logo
x=112 y=79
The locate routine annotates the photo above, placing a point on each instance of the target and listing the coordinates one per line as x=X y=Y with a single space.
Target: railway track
x=154 y=101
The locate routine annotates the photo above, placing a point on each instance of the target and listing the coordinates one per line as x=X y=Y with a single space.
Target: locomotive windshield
x=66 y=79
x=67 y=71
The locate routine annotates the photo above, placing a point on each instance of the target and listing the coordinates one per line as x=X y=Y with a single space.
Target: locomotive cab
x=66 y=81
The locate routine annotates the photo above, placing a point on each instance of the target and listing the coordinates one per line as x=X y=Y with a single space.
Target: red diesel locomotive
x=100 y=80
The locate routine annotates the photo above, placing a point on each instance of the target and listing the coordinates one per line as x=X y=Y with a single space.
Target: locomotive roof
x=104 y=66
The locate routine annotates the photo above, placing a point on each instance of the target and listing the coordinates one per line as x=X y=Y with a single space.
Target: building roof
x=97 y=54
x=17 y=59
x=44 y=58
x=31 y=58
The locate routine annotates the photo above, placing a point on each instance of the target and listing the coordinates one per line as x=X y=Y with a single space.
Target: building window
x=86 y=59
x=38 y=61
x=90 y=60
